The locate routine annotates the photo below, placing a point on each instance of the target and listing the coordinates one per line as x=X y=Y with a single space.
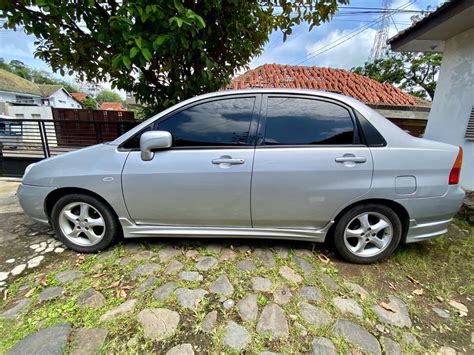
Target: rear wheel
x=84 y=223
x=368 y=233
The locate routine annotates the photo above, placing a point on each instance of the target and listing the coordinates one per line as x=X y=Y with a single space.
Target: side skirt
x=131 y=230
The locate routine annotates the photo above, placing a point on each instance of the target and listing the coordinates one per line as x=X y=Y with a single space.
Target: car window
x=216 y=123
x=300 y=121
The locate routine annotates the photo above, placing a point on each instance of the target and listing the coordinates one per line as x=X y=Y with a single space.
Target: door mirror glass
x=154 y=140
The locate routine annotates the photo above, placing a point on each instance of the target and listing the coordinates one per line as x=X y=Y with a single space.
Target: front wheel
x=368 y=233
x=84 y=223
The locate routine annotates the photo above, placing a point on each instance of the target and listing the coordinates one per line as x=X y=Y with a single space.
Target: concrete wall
x=454 y=99
x=62 y=100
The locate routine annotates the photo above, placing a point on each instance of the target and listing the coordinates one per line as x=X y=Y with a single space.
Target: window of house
x=24 y=99
x=36 y=116
x=217 y=123
x=300 y=121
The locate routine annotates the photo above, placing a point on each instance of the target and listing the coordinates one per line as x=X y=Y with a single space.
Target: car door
x=204 y=179
x=309 y=162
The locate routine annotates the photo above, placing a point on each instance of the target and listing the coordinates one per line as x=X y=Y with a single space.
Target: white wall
x=62 y=100
x=31 y=130
x=6 y=96
x=454 y=99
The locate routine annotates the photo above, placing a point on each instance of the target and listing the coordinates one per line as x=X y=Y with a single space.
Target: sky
x=344 y=42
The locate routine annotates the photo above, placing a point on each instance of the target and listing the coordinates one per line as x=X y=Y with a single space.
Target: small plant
x=263 y=301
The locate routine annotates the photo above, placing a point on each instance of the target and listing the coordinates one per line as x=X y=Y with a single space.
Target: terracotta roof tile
x=79 y=96
x=336 y=80
x=112 y=106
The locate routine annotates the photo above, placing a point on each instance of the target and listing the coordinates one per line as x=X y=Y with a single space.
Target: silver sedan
x=289 y=164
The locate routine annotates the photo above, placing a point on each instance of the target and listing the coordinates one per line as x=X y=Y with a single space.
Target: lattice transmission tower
x=380 y=47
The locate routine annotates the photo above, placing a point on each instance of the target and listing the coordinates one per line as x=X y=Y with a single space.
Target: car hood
x=96 y=160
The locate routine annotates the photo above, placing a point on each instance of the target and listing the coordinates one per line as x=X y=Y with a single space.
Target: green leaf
x=178 y=5
x=200 y=20
x=146 y=53
x=127 y=62
x=138 y=41
x=117 y=60
x=159 y=41
x=178 y=20
x=134 y=51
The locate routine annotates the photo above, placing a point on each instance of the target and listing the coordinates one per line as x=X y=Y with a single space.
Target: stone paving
x=186 y=297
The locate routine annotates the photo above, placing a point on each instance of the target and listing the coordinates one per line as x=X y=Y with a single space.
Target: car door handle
x=351 y=159
x=230 y=161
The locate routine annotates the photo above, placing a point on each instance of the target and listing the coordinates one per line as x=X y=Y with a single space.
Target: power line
x=345 y=38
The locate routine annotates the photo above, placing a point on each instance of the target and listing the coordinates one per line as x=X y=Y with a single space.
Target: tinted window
x=215 y=123
x=295 y=121
x=372 y=137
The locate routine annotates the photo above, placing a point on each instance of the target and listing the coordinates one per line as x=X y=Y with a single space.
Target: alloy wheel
x=82 y=223
x=368 y=234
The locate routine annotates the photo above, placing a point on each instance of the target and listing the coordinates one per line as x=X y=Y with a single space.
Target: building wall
x=31 y=130
x=454 y=99
x=6 y=96
x=62 y=100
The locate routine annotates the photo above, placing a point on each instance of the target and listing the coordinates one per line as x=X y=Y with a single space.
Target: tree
x=415 y=73
x=108 y=96
x=163 y=51
x=89 y=103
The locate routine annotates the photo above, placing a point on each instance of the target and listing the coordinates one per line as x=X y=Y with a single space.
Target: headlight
x=27 y=170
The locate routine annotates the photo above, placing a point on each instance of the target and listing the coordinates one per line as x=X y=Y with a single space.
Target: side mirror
x=154 y=140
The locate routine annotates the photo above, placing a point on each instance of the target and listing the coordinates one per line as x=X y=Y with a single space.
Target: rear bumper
x=430 y=217
x=32 y=199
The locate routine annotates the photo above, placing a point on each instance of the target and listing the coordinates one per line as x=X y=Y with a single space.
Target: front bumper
x=430 y=217
x=32 y=200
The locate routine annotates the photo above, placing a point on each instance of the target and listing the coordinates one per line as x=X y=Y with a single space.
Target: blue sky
x=300 y=47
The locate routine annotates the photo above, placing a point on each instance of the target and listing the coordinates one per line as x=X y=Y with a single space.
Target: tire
x=84 y=223
x=353 y=233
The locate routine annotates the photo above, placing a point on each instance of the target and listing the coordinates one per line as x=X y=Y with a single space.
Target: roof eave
x=400 y=41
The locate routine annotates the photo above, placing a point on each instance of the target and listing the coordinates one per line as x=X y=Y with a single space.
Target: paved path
x=185 y=297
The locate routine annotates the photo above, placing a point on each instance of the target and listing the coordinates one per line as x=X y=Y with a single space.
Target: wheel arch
x=401 y=212
x=55 y=195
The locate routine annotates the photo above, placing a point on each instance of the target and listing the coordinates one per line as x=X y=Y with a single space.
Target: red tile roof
x=340 y=81
x=112 y=106
x=79 y=96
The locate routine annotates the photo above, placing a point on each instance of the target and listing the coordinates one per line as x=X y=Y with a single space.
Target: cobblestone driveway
x=186 y=297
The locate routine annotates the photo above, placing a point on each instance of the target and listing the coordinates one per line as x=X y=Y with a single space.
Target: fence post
x=1 y=158
x=44 y=139
x=46 y=142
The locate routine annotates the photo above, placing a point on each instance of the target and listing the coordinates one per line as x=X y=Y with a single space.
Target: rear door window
x=302 y=121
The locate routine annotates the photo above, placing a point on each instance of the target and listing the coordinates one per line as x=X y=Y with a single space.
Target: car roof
x=254 y=91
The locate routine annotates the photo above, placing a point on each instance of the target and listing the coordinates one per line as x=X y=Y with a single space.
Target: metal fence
x=23 y=141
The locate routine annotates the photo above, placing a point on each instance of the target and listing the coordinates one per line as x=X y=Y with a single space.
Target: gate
x=25 y=141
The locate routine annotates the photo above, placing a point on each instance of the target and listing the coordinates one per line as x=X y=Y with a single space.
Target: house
x=449 y=30
x=58 y=96
x=112 y=106
x=17 y=91
x=403 y=109
x=21 y=98
x=81 y=97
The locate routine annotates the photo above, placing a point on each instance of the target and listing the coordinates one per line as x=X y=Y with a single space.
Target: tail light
x=456 y=170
